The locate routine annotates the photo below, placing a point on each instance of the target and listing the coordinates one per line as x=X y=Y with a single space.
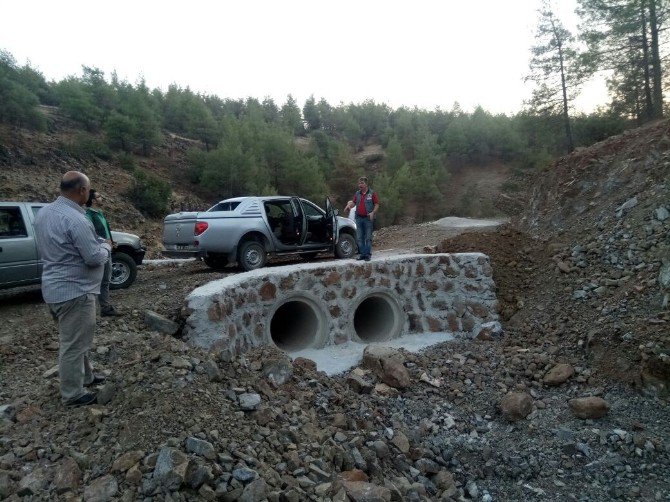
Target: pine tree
x=291 y=118
x=554 y=68
x=395 y=157
x=311 y=114
x=622 y=38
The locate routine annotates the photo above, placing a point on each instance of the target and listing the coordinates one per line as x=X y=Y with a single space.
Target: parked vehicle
x=247 y=230
x=20 y=264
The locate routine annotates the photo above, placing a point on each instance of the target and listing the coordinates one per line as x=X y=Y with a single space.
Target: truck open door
x=299 y=221
x=331 y=222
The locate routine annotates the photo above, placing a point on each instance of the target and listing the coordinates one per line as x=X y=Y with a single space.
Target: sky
x=424 y=53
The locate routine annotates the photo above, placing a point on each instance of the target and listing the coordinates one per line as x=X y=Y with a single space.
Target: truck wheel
x=124 y=271
x=252 y=255
x=216 y=261
x=346 y=246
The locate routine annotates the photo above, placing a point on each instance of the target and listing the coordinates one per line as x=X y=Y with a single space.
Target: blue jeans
x=364 y=234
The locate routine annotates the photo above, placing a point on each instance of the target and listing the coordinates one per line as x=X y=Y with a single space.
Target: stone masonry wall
x=435 y=292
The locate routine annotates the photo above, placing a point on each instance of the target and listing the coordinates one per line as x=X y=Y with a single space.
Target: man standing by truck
x=94 y=213
x=366 y=203
x=73 y=259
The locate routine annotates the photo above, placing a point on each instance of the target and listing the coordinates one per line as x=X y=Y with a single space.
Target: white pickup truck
x=247 y=230
x=20 y=264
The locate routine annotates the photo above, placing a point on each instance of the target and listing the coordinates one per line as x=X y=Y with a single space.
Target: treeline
x=258 y=147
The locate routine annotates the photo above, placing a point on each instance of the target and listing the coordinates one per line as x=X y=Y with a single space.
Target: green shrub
x=486 y=209
x=19 y=106
x=127 y=162
x=467 y=204
x=534 y=159
x=197 y=161
x=84 y=146
x=150 y=194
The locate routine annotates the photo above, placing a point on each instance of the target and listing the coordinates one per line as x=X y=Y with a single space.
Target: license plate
x=182 y=247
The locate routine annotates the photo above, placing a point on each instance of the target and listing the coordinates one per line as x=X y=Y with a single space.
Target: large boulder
x=171 y=468
x=516 y=406
x=589 y=407
x=68 y=476
x=102 y=489
x=374 y=355
x=388 y=365
x=160 y=323
x=395 y=374
x=559 y=374
x=360 y=491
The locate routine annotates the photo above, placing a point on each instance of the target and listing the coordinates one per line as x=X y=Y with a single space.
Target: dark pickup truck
x=20 y=264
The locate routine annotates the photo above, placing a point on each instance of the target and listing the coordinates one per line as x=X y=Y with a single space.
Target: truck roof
x=261 y=198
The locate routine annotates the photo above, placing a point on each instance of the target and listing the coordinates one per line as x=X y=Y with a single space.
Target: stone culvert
x=313 y=305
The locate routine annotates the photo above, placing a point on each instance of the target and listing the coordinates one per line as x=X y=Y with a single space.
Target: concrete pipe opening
x=297 y=324
x=377 y=318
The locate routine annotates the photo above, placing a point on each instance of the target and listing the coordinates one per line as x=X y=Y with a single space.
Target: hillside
x=32 y=163
x=579 y=280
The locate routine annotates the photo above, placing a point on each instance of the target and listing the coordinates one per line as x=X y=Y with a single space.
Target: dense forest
x=249 y=146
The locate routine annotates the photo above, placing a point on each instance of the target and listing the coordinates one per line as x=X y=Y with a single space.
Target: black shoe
x=97 y=380
x=84 y=400
x=360 y=258
x=109 y=312
x=367 y=258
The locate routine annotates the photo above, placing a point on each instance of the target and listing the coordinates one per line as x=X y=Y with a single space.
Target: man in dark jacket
x=366 y=202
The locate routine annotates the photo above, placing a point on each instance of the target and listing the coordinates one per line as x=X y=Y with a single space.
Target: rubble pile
x=605 y=215
x=460 y=421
